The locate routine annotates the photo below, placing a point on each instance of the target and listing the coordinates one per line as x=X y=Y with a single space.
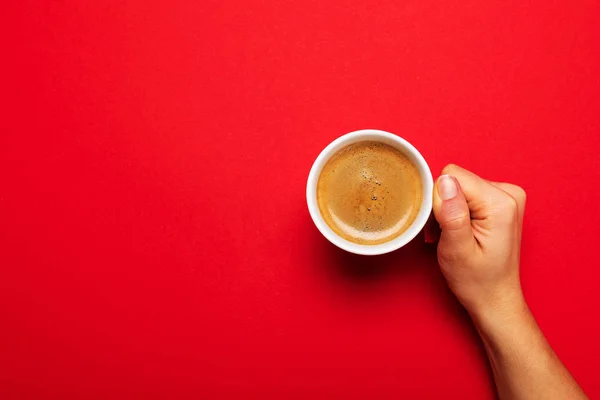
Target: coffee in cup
x=369 y=192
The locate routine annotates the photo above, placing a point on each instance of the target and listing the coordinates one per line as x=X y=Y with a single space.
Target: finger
x=481 y=195
x=516 y=193
x=520 y=197
x=452 y=213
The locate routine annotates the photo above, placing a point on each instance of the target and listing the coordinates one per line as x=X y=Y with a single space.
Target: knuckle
x=455 y=221
x=510 y=205
x=454 y=216
x=508 y=208
x=520 y=194
x=517 y=192
x=448 y=169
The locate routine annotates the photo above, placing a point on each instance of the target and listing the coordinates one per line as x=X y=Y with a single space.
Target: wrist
x=495 y=316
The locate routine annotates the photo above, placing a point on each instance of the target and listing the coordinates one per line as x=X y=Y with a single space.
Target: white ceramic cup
x=382 y=137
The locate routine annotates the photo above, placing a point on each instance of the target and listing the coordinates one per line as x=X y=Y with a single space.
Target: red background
x=154 y=236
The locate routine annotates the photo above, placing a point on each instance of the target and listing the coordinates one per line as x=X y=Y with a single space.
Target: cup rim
x=387 y=138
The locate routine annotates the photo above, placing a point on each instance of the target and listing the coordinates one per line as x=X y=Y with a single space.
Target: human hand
x=479 y=247
x=478 y=253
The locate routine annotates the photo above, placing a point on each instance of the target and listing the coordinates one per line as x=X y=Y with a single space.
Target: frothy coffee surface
x=369 y=193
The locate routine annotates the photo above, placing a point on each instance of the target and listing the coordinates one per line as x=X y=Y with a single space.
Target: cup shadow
x=361 y=277
x=366 y=274
x=369 y=270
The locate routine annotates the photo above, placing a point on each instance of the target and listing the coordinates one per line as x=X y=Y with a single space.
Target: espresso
x=369 y=193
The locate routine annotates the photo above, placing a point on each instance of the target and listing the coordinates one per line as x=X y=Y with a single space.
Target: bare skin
x=479 y=253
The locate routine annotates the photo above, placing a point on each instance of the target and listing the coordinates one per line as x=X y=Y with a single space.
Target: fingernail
x=447 y=188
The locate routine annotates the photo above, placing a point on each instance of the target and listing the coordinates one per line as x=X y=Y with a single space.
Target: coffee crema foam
x=369 y=193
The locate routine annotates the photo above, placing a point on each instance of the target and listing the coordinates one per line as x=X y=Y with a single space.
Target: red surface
x=154 y=236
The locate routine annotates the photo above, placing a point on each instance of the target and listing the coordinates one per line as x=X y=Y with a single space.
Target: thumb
x=452 y=213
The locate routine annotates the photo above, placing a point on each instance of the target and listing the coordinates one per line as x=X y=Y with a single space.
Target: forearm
x=478 y=252
x=523 y=363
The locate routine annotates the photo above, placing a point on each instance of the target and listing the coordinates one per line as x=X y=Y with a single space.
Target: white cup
x=391 y=140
